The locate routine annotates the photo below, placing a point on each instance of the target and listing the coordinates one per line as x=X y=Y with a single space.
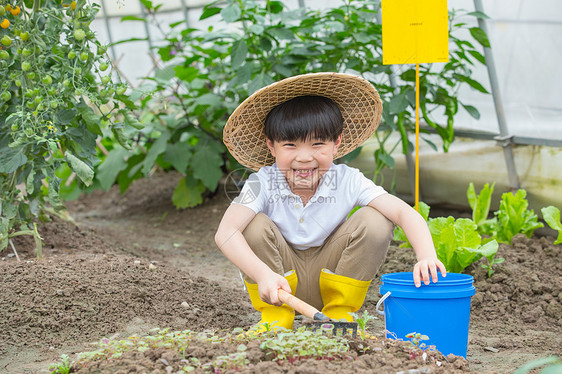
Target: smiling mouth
x=304 y=172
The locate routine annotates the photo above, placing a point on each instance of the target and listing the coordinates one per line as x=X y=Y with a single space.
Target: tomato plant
x=52 y=109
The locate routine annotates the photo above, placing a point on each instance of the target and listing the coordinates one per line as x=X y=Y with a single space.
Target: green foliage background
x=208 y=73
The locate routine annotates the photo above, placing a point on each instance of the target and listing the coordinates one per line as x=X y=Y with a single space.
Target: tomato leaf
x=84 y=171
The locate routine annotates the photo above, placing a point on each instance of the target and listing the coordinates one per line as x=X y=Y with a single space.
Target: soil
x=130 y=263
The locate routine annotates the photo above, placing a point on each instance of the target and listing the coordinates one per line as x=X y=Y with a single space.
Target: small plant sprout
x=491 y=262
x=303 y=344
x=416 y=340
x=362 y=320
x=62 y=367
x=234 y=361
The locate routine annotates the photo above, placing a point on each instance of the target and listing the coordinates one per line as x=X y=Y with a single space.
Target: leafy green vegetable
x=458 y=243
x=551 y=216
x=513 y=217
x=480 y=205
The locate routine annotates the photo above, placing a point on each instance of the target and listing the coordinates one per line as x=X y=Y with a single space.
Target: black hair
x=304 y=118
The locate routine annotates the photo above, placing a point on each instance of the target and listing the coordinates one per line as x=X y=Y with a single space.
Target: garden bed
x=133 y=263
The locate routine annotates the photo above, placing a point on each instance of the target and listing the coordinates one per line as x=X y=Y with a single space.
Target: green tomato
x=28 y=93
x=66 y=83
x=6 y=40
x=84 y=56
x=26 y=52
x=101 y=50
x=106 y=79
x=71 y=55
x=121 y=90
x=54 y=104
x=40 y=107
x=47 y=79
x=79 y=34
x=103 y=66
x=5 y=96
x=2 y=10
x=4 y=55
x=31 y=75
x=38 y=99
x=18 y=83
x=24 y=36
x=14 y=127
x=25 y=66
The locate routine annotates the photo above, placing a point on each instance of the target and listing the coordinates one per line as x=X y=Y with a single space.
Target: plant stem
x=14 y=249
x=38 y=243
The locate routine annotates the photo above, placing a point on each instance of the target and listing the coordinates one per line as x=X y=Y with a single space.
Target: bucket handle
x=381 y=300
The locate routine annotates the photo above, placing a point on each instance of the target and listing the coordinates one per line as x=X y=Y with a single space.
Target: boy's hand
x=269 y=288
x=424 y=267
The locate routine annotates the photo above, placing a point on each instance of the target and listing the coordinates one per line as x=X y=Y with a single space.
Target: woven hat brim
x=357 y=99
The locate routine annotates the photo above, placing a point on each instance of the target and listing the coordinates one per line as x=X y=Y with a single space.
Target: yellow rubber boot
x=341 y=295
x=282 y=316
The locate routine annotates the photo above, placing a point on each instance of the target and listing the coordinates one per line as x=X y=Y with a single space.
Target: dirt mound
x=84 y=298
x=527 y=287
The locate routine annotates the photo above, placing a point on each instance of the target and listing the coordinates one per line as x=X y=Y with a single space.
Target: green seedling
x=232 y=362
x=491 y=262
x=62 y=367
x=282 y=346
x=362 y=320
x=416 y=339
x=304 y=344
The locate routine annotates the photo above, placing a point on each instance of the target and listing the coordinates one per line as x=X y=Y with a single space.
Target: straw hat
x=357 y=99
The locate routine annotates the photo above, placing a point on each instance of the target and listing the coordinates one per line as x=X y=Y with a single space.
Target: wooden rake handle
x=301 y=307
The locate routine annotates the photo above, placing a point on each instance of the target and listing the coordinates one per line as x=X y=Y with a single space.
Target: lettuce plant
x=513 y=217
x=458 y=243
x=480 y=204
x=551 y=216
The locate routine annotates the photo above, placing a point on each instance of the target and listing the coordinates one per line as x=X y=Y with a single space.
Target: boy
x=288 y=229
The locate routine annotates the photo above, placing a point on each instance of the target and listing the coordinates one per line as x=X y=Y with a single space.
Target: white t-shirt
x=340 y=190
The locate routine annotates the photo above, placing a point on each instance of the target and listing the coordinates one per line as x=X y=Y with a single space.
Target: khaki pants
x=356 y=249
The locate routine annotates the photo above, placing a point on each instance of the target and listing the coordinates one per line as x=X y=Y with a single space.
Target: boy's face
x=304 y=162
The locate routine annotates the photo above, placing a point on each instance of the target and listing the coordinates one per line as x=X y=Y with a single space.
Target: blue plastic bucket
x=439 y=310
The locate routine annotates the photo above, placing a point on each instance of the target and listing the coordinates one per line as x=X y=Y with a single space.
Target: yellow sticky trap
x=415 y=31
